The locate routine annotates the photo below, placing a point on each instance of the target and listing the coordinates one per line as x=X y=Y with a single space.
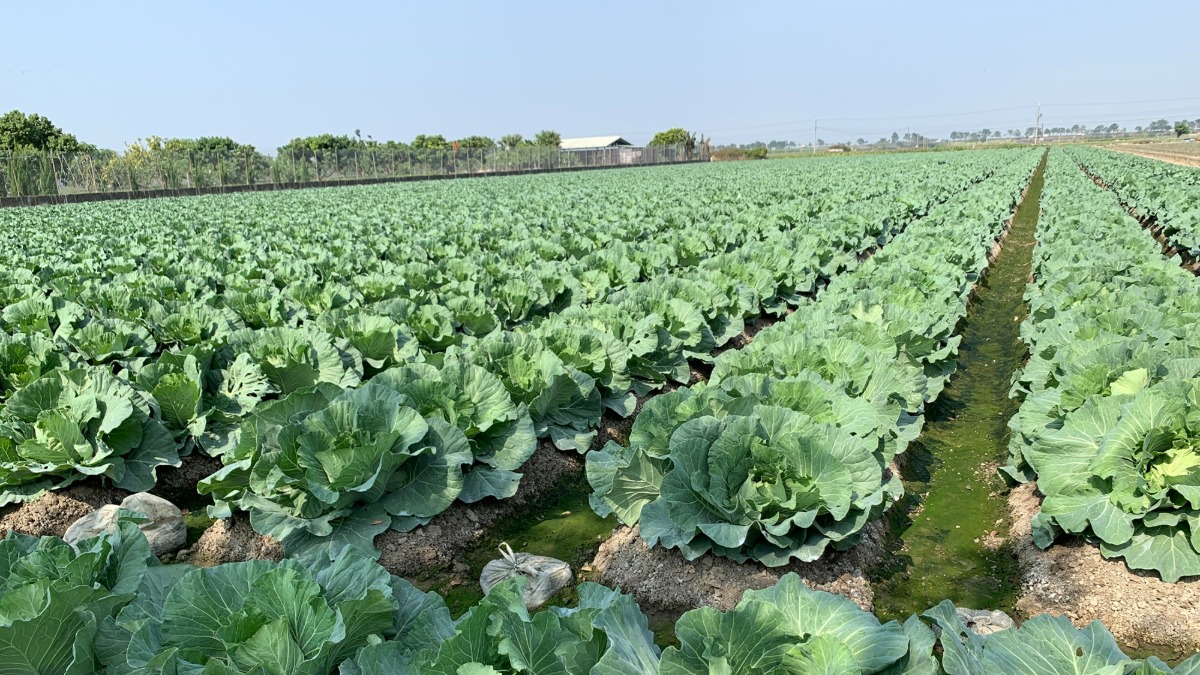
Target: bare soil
x=231 y=540
x=1072 y=578
x=664 y=583
x=52 y=513
x=178 y=485
x=1168 y=157
x=437 y=545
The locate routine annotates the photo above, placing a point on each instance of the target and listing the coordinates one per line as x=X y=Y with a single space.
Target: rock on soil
x=662 y=581
x=1071 y=578
x=164 y=528
x=231 y=540
x=52 y=513
x=435 y=546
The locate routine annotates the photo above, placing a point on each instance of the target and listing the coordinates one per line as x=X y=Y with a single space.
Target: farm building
x=593 y=142
x=597 y=150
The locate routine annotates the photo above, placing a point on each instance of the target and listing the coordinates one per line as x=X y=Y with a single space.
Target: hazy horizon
x=267 y=73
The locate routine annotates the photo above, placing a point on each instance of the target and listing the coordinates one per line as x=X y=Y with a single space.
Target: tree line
x=37 y=158
x=19 y=131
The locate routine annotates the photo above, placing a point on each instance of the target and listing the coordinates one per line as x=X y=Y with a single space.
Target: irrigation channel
x=953 y=524
x=945 y=528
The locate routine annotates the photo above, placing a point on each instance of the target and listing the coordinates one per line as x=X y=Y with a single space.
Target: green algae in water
x=956 y=508
x=196 y=522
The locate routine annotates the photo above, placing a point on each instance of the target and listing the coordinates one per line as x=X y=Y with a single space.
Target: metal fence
x=35 y=173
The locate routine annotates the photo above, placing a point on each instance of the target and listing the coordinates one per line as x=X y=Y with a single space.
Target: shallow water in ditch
x=953 y=523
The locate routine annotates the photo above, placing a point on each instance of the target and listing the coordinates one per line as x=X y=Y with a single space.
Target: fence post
x=54 y=171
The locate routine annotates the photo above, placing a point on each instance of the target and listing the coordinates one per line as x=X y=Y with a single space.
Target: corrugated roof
x=591 y=142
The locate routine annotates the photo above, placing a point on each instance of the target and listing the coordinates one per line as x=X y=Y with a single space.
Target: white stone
x=164 y=527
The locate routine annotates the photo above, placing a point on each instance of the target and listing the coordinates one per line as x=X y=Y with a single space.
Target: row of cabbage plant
x=107 y=606
x=1110 y=424
x=788 y=449
x=1168 y=193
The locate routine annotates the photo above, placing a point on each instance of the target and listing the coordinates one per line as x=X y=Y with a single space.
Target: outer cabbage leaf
x=499 y=431
x=770 y=486
x=355 y=461
x=70 y=424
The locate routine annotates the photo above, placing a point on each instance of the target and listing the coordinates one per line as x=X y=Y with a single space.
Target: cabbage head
x=71 y=424
x=1125 y=469
x=771 y=486
x=325 y=462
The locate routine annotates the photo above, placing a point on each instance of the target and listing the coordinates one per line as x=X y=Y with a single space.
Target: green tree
x=476 y=142
x=435 y=142
x=1159 y=125
x=548 y=138
x=676 y=136
x=311 y=144
x=1181 y=128
x=34 y=132
x=214 y=144
x=510 y=141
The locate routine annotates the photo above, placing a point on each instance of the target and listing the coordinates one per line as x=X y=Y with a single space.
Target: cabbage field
x=346 y=364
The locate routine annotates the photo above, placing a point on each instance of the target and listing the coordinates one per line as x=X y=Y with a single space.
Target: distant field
x=1177 y=152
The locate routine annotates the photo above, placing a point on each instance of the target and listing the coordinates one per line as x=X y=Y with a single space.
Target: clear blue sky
x=264 y=72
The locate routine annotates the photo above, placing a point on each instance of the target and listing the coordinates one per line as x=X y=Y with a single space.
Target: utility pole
x=814 y=137
x=1038 y=136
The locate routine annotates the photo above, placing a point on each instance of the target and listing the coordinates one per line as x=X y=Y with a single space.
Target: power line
x=923 y=117
x=1164 y=100
x=871 y=119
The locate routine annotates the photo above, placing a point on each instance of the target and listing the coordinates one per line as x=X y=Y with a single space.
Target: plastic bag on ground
x=544 y=576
